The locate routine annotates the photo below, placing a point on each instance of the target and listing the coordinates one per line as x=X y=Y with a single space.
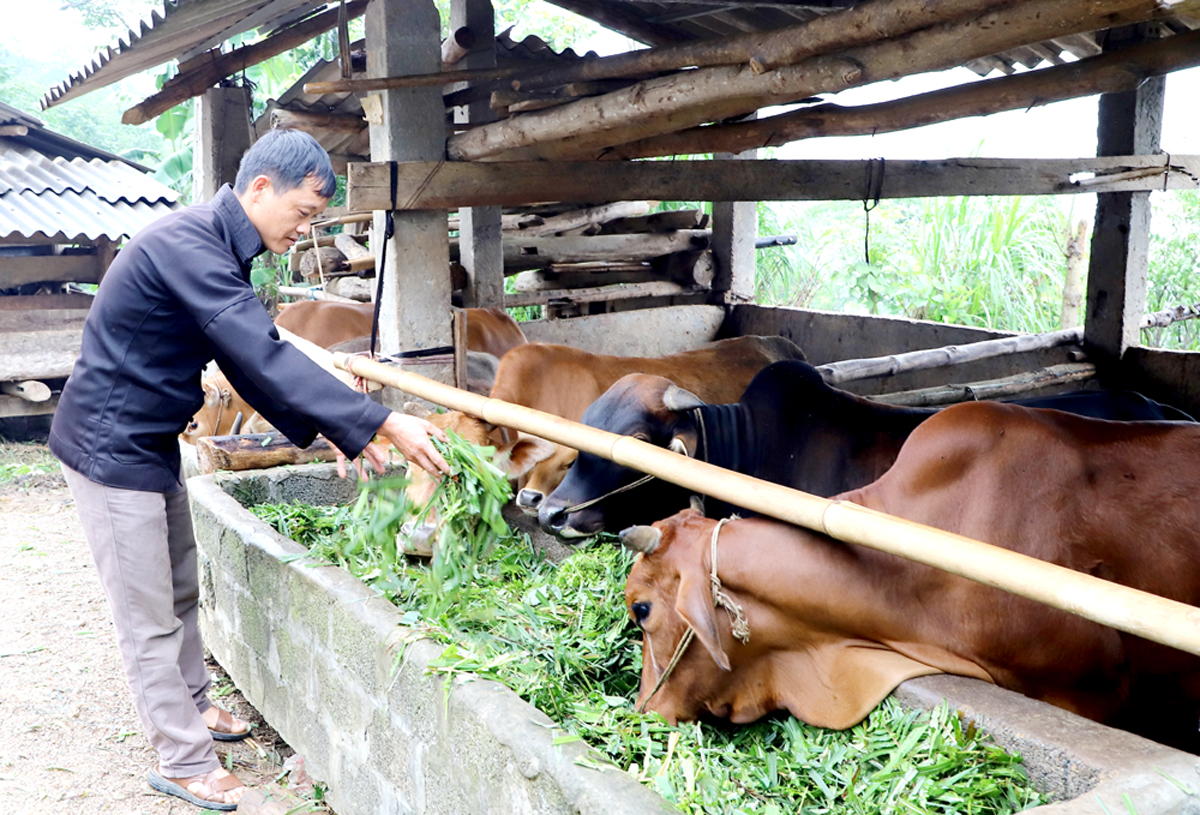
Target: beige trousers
x=145 y=556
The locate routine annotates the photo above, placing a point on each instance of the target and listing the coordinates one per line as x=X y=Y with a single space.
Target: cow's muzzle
x=528 y=501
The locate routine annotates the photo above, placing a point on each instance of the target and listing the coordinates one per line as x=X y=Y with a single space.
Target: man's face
x=281 y=219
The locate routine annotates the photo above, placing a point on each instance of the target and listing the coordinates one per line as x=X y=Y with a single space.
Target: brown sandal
x=213 y=784
x=223 y=730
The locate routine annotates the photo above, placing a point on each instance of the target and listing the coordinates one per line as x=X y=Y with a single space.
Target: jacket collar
x=246 y=241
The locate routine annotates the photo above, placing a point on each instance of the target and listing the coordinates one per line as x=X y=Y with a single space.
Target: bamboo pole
x=991 y=388
x=854 y=369
x=1136 y=612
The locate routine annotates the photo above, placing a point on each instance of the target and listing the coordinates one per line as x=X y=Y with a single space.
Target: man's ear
x=258 y=185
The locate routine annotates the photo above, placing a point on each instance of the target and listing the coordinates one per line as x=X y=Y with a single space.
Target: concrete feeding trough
x=316 y=652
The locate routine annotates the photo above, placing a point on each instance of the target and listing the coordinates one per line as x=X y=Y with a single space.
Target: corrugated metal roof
x=355 y=146
x=44 y=194
x=182 y=29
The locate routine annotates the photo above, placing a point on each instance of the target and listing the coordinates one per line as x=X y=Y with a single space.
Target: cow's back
x=563 y=380
x=1098 y=496
x=326 y=322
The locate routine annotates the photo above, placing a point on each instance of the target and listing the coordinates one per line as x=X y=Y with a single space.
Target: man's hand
x=410 y=436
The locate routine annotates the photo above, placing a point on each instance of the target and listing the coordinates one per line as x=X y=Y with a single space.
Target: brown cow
x=327 y=323
x=221 y=407
x=347 y=327
x=834 y=627
x=562 y=380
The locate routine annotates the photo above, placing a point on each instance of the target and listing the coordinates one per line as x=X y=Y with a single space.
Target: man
x=177 y=296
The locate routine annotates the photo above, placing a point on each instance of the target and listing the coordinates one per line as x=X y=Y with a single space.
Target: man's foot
x=218 y=789
x=224 y=726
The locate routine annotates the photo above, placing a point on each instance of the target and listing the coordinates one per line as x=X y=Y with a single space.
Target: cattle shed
x=465 y=147
x=486 y=127
x=65 y=207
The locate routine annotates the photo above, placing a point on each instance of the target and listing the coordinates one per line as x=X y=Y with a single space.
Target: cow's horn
x=676 y=398
x=415 y=409
x=237 y=424
x=641 y=538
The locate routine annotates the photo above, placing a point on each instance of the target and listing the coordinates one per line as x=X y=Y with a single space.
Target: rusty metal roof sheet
x=181 y=30
x=44 y=193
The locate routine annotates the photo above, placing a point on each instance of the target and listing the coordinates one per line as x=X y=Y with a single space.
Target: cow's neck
x=723 y=442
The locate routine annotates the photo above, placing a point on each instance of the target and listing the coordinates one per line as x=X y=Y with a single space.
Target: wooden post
x=222 y=137
x=1130 y=123
x=480 y=250
x=403 y=37
x=735 y=227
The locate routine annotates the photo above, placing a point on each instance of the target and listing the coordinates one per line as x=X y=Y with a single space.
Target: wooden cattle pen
x=533 y=153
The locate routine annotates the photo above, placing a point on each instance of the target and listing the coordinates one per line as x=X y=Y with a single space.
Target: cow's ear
x=415 y=409
x=644 y=539
x=677 y=399
x=695 y=605
x=520 y=457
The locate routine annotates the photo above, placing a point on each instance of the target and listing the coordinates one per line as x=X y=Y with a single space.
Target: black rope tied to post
x=871 y=195
x=389 y=230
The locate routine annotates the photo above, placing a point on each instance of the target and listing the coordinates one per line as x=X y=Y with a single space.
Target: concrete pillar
x=479 y=238
x=403 y=37
x=222 y=136
x=1130 y=123
x=735 y=228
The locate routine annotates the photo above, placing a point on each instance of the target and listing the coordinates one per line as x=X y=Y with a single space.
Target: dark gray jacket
x=177 y=296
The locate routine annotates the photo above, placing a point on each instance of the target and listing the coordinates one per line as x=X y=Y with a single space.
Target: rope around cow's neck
x=648 y=477
x=737 y=617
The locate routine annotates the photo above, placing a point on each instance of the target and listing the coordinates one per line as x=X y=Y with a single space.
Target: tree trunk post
x=222 y=137
x=403 y=37
x=1130 y=123
x=481 y=252
x=734 y=228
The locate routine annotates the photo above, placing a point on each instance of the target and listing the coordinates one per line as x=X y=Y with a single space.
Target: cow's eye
x=640 y=612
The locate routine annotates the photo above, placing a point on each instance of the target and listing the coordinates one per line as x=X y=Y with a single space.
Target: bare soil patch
x=72 y=741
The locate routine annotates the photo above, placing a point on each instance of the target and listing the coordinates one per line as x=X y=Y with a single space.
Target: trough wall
x=327 y=665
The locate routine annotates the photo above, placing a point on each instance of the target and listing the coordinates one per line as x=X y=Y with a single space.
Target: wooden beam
x=15 y=406
x=256 y=451
x=49 y=354
x=1111 y=73
x=660 y=288
x=216 y=67
x=690 y=98
x=442 y=185
x=858 y=25
x=17 y=271
x=300 y=120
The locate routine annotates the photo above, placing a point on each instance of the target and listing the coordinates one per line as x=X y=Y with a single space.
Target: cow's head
x=218 y=406
x=667 y=593
x=650 y=408
x=514 y=456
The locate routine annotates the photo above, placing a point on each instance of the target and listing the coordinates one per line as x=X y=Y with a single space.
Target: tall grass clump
x=1174 y=276
x=560 y=637
x=978 y=261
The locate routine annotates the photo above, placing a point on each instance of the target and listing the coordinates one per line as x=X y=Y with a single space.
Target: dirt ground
x=72 y=742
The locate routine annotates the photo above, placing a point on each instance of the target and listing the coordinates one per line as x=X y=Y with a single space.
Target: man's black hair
x=287 y=157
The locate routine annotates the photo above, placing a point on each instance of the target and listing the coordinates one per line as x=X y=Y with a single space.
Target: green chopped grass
x=559 y=636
